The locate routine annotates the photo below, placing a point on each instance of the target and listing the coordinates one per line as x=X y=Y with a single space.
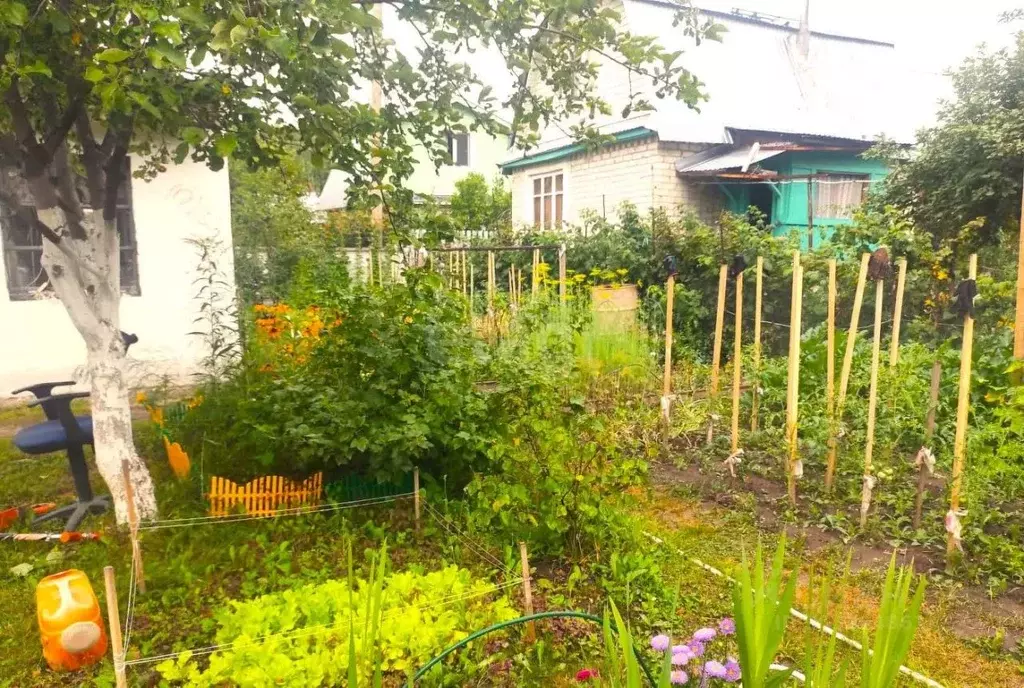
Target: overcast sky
x=931 y=34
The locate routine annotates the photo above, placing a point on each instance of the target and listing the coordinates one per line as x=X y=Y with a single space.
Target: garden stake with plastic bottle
x=879 y=269
x=966 y=291
x=844 y=377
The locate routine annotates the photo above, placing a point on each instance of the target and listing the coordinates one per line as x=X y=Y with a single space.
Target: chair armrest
x=58 y=407
x=44 y=389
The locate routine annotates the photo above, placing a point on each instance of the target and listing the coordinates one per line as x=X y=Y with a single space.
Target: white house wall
x=186 y=201
x=639 y=172
x=485 y=153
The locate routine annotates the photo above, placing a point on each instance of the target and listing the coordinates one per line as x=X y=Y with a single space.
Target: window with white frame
x=548 y=200
x=23 y=247
x=836 y=196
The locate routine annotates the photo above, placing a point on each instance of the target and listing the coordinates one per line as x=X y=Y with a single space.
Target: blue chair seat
x=50 y=436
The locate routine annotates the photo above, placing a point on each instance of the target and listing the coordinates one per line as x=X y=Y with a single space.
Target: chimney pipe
x=804 y=38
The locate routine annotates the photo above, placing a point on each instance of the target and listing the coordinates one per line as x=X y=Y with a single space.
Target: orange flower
x=176 y=456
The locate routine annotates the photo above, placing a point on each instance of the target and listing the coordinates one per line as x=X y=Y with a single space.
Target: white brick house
x=770 y=81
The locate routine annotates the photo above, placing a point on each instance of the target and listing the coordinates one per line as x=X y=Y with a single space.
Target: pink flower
x=682 y=658
x=715 y=669
x=678 y=678
x=705 y=634
x=660 y=642
x=732 y=671
x=586 y=674
x=727 y=626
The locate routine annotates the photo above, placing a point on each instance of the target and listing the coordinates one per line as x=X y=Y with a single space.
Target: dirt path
x=968 y=612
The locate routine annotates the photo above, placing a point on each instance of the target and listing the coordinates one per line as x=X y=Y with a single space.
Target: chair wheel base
x=76 y=512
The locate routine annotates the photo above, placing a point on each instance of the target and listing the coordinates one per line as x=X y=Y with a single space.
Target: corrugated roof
x=756 y=79
x=723 y=159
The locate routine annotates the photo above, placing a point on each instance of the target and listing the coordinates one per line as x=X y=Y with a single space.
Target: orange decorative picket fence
x=263 y=496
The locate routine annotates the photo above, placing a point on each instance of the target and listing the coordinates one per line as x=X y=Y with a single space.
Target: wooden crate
x=263 y=496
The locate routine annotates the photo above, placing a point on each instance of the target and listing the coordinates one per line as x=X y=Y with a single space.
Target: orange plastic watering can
x=70 y=621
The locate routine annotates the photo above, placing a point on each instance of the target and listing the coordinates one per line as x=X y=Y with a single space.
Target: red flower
x=586 y=674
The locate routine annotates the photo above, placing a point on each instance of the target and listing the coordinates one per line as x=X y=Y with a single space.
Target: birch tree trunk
x=85 y=274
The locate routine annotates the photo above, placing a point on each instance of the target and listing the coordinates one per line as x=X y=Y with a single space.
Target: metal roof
x=718 y=159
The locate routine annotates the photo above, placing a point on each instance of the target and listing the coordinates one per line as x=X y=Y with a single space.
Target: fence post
x=114 y=619
x=562 y=287
x=531 y=630
x=901 y=280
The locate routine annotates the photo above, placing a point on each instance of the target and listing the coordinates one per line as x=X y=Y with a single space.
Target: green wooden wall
x=789 y=207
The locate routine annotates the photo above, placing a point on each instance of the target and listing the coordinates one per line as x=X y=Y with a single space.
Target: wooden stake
x=737 y=364
x=490 y=282
x=462 y=260
x=380 y=267
x=472 y=292
x=133 y=525
x=793 y=382
x=1018 y=322
x=929 y=433
x=535 y=276
x=756 y=391
x=416 y=495
x=562 y=286
x=114 y=619
x=894 y=346
x=844 y=376
x=962 y=408
x=716 y=358
x=666 y=385
x=869 y=447
x=830 y=368
x=531 y=631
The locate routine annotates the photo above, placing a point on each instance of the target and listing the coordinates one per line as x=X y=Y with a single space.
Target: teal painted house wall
x=789 y=198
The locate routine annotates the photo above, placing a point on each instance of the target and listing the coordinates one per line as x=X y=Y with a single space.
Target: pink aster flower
x=682 y=658
x=586 y=674
x=705 y=634
x=678 y=678
x=727 y=626
x=732 y=671
x=696 y=648
x=714 y=669
x=660 y=642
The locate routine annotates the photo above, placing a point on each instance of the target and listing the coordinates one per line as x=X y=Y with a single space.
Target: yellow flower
x=225 y=89
x=140 y=398
x=408 y=320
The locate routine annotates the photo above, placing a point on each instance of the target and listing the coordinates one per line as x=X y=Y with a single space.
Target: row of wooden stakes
x=835 y=403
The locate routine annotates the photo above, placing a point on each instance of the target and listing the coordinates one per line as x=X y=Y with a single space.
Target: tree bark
x=86 y=277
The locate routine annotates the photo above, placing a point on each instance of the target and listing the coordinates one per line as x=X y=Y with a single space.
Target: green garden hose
x=515 y=622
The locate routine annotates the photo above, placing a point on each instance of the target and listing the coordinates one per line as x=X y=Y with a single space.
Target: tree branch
x=58 y=134
x=15 y=206
x=115 y=170
x=35 y=160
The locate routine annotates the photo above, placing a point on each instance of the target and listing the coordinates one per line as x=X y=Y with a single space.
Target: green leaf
x=239 y=34
x=14 y=13
x=225 y=145
x=94 y=74
x=113 y=55
x=192 y=15
x=146 y=104
x=169 y=30
x=160 y=52
x=193 y=135
x=38 y=67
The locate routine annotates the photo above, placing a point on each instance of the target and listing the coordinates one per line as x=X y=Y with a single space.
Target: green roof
x=571 y=149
